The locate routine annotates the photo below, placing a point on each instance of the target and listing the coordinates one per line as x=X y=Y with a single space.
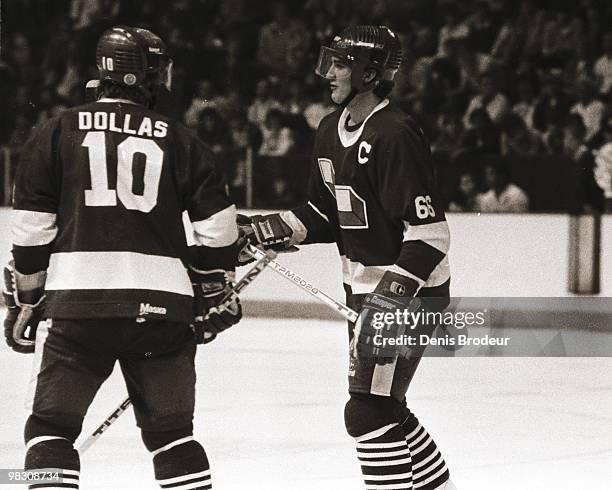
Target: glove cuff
x=394 y=284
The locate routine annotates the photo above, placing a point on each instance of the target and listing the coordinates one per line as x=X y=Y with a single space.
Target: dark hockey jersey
x=373 y=192
x=99 y=197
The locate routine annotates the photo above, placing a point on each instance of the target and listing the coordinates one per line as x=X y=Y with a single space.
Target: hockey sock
x=57 y=453
x=385 y=459
x=429 y=470
x=182 y=465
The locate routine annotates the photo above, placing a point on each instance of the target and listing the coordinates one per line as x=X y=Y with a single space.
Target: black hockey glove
x=216 y=307
x=268 y=232
x=24 y=296
x=380 y=330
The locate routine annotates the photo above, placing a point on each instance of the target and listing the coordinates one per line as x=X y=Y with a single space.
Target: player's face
x=339 y=76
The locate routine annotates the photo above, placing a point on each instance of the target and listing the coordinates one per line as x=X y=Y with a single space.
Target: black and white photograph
x=306 y=244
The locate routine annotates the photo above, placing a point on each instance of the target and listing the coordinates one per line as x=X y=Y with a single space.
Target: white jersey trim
x=363 y=279
x=349 y=138
x=299 y=230
x=33 y=228
x=318 y=211
x=117 y=270
x=435 y=234
x=219 y=230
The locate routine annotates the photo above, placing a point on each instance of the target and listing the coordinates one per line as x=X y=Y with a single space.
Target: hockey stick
x=266 y=259
x=307 y=286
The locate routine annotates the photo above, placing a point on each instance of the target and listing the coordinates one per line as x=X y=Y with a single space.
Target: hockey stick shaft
x=305 y=285
x=111 y=419
x=265 y=260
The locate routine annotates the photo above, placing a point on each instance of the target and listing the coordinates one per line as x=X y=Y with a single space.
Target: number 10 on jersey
x=101 y=195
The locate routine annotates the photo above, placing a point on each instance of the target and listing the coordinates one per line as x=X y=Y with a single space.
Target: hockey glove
x=268 y=232
x=216 y=307
x=381 y=327
x=24 y=296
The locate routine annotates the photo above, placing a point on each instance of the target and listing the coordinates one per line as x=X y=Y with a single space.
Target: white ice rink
x=270 y=404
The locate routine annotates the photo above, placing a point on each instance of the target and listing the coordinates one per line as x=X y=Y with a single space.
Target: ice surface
x=270 y=414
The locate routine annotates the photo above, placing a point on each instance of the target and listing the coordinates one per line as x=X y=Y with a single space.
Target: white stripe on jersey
x=33 y=228
x=435 y=234
x=219 y=230
x=117 y=270
x=363 y=279
x=299 y=230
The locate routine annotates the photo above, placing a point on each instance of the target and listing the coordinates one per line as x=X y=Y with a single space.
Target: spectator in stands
x=449 y=134
x=490 y=98
x=204 y=99
x=273 y=168
x=455 y=26
x=482 y=30
x=561 y=39
x=272 y=44
x=603 y=66
x=589 y=107
x=276 y=137
x=317 y=108
x=213 y=131
x=554 y=102
x=465 y=196
x=297 y=40
x=263 y=102
x=482 y=136
x=525 y=100
x=503 y=196
x=245 y=137
x=588 y=195
x=512 y=37
x=604 y=135
x=229 y=105
x=517 y=140
x=603 y=173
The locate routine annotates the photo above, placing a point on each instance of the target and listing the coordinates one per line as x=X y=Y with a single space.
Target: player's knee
x=155 y=441
x=176 y=453
x=364 y=413
x=37 y=426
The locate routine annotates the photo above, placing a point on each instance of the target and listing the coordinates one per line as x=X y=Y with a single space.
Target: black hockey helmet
x=133 y=57
x=364 y=47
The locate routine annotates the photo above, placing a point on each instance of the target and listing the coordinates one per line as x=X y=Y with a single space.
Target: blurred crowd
x=518 y=79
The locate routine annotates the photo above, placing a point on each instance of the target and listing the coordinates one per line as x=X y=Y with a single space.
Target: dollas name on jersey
x=122 y=123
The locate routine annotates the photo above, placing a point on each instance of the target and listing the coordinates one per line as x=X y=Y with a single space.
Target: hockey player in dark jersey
x=373 y=193
x=100 y=252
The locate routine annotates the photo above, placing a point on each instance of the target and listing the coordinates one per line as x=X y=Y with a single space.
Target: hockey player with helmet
x=100 y=251
x=373 y=193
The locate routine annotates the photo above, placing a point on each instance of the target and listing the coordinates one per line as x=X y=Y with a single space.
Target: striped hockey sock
x=429 y=470
x=57 y=453
x=385 y=459
x=182 y=465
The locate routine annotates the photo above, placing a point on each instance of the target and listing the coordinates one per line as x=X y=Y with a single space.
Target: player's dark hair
x=113 y=90
x=384 y=88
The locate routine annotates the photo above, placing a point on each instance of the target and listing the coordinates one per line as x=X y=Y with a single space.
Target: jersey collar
x=349 y=138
